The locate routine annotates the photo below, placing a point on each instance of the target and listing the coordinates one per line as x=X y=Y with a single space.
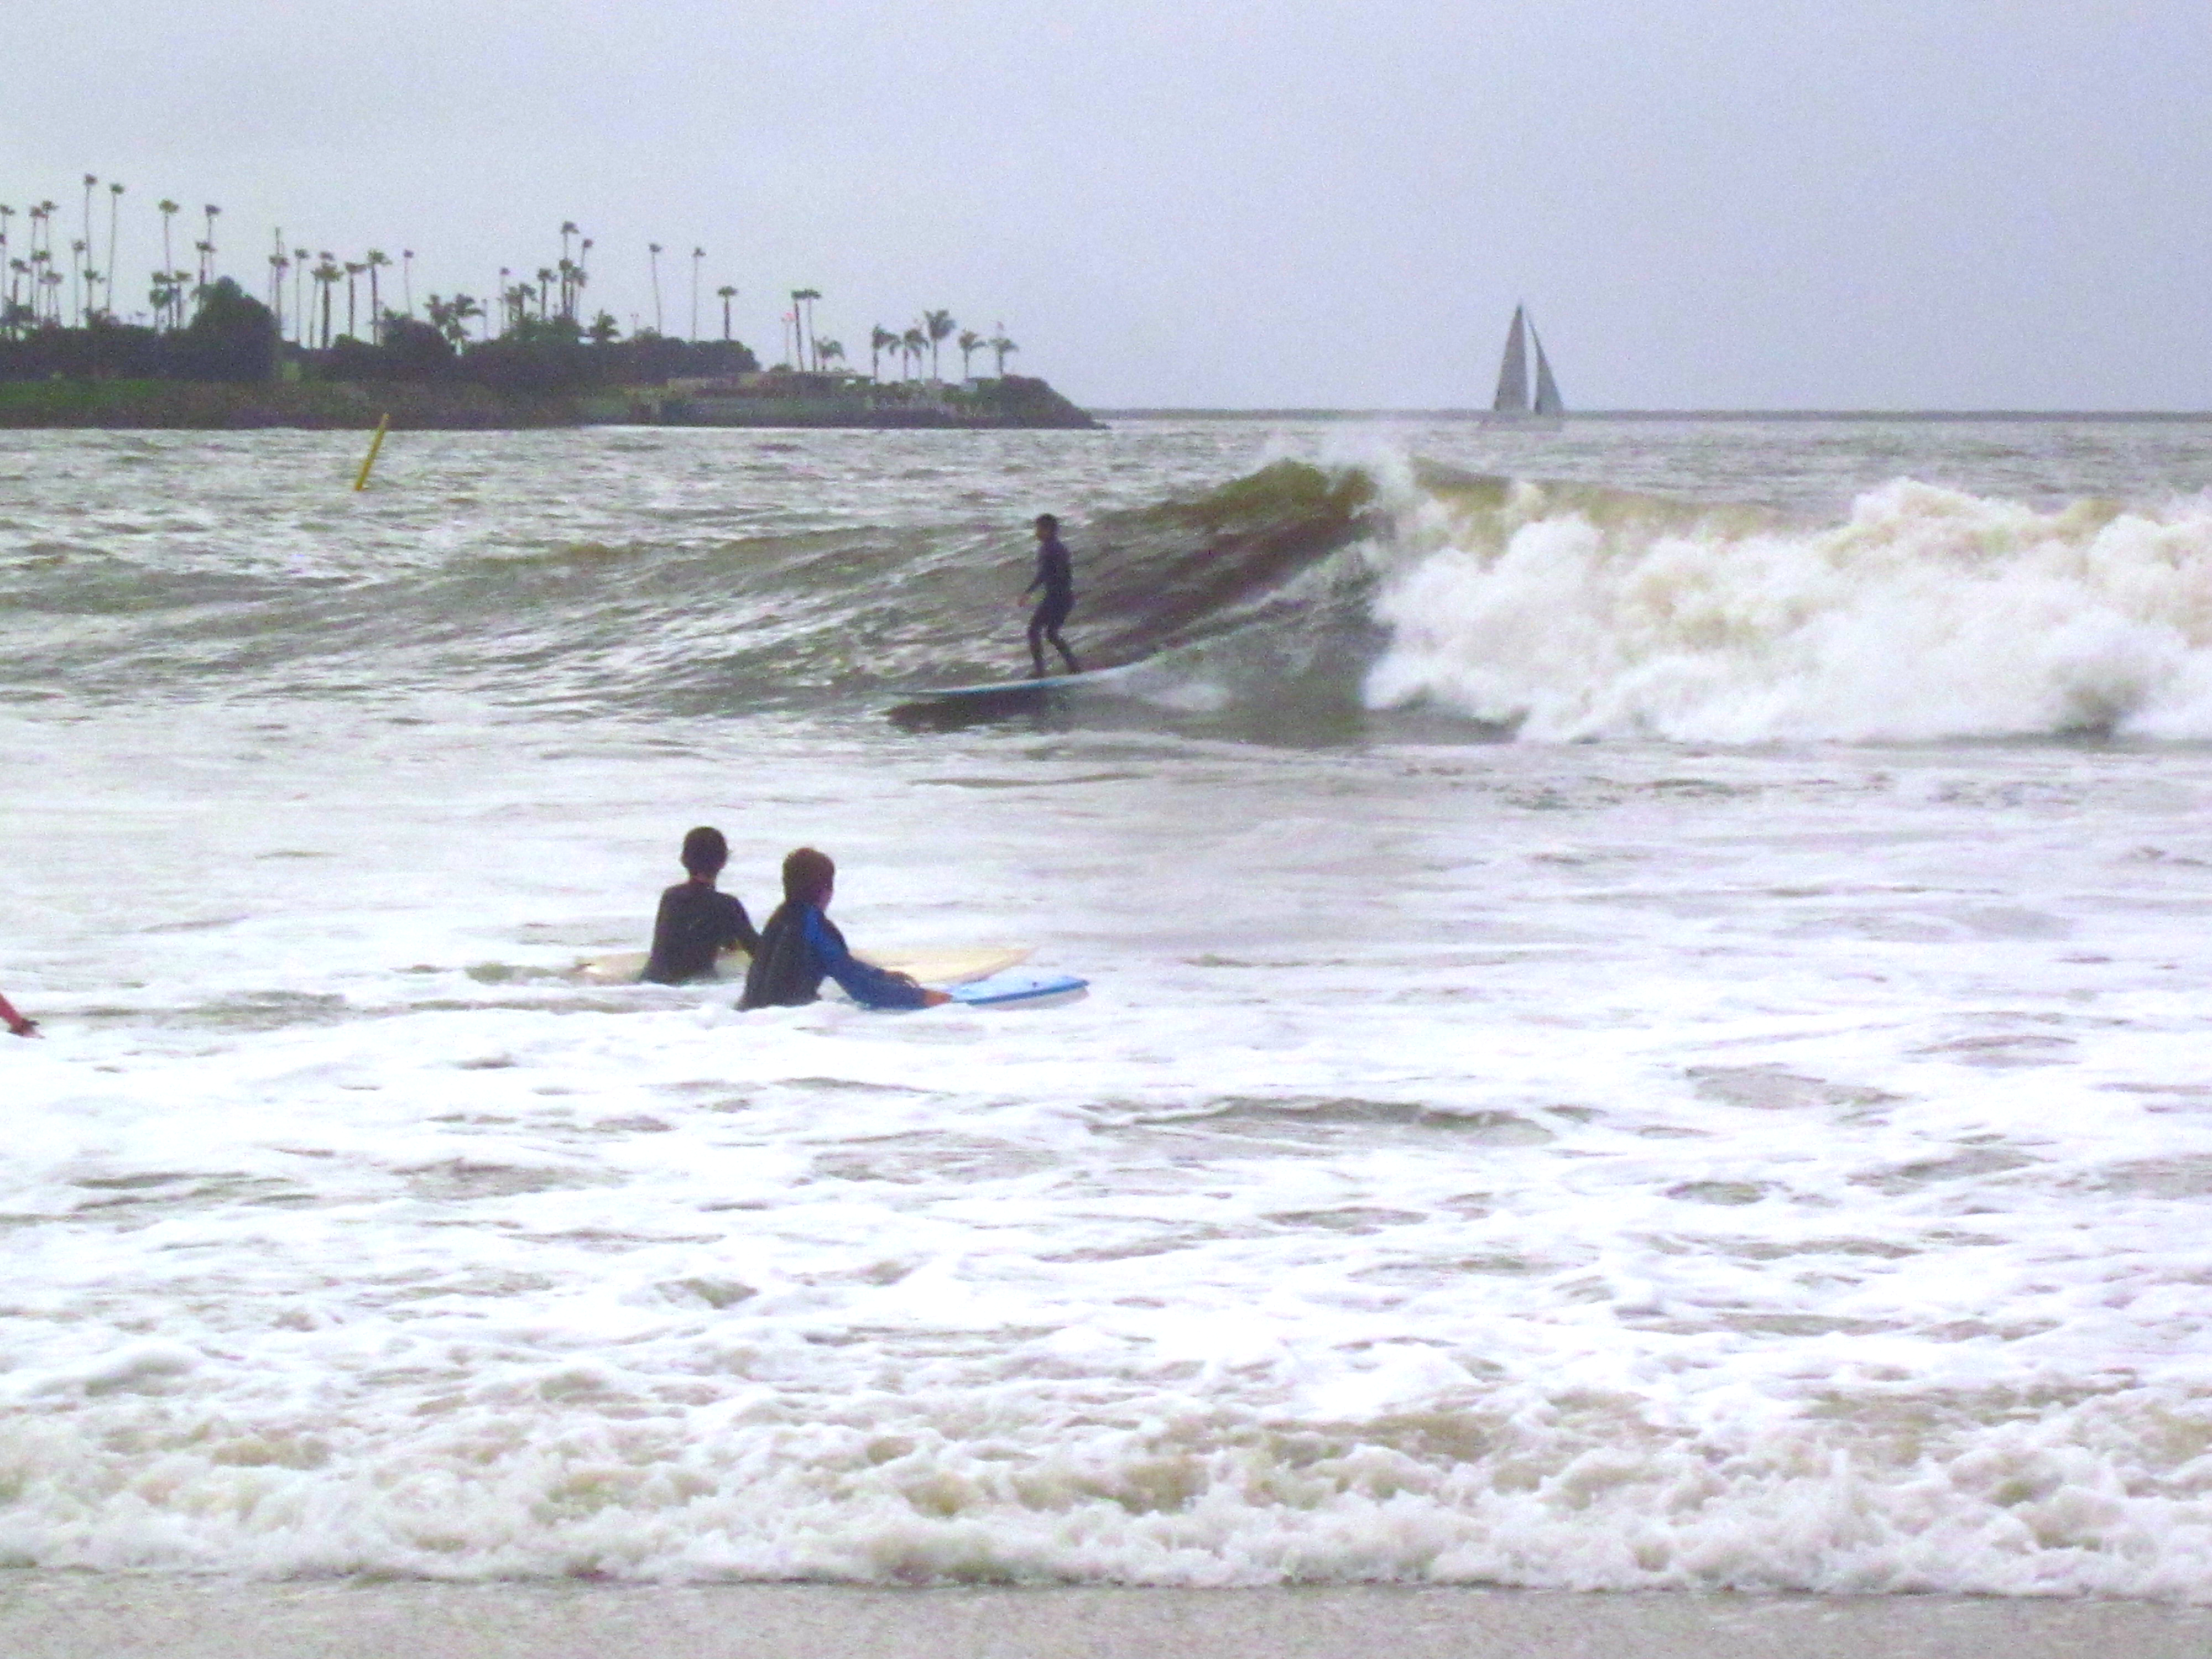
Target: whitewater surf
x=1645 y=1027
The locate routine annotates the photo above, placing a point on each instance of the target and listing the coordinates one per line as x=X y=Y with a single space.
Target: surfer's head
x=1047 y=525
x=808 y=876
x=705 y=852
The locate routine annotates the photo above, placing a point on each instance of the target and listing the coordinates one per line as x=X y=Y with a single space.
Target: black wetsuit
x=1056 y=573
x=695 y=925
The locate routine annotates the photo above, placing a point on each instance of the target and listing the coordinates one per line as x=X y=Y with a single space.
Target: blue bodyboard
x=1019 y=985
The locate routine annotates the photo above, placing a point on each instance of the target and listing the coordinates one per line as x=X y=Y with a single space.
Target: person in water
x=1056 y=573
x=695 y=924
x=18 y=1024
x=800 y=945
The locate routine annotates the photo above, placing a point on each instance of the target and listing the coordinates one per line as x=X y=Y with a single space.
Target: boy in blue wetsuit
x=695 y=924
x=800 y=945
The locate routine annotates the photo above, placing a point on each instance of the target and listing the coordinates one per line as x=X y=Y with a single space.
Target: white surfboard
x=931 y=964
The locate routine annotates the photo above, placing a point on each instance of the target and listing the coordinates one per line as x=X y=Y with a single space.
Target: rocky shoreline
x=126 y=404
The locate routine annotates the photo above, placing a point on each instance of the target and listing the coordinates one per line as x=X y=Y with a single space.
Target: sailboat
x=1511 y=405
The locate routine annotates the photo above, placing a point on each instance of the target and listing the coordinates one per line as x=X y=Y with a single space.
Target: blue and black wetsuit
x=799 y=947
x=1056 y=573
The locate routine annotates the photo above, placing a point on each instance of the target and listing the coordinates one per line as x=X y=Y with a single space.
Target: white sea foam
x=1927 y=613
x=1600 y=1164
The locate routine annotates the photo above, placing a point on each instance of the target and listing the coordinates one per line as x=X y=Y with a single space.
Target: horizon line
x=1485 y=416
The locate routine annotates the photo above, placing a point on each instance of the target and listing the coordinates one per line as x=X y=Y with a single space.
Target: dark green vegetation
x=777 y=398
x=228 y=367
x=207 y=354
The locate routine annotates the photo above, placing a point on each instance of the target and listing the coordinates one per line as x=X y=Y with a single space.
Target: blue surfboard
x=1019 y=985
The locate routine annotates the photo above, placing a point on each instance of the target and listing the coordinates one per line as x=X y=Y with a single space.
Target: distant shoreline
x=1484 y=417
x=1009 y=403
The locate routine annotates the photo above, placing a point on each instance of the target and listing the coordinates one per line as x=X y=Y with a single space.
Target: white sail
x=1513 y=374
x=1547 y=389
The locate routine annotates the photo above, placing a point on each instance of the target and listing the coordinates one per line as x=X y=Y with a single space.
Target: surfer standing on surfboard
x=1056 y=573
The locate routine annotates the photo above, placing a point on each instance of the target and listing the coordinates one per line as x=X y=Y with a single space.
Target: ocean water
x=1648 y=1022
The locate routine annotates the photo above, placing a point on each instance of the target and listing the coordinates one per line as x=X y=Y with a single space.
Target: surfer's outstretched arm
x=869 y=986
x=18 y=1024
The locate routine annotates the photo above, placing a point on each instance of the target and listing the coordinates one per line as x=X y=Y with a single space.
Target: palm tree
x=327 y=275
x=51 y=280
x=879 y=341
x=78 y=266
x=168 y=210
x=914 y=342
x=1003 y=347
x=545 y=291
x=450 y=317
x=352 y=273
x=940 y=326
x=407 y=277
x=300 y=320
x=38 y=215
x=567 y=300
x=375 y=259
x=802 y=308
x=604 y=330
x=828 y=351
x=114 y=212
x=278 y=265
x=85 y=259
x=653 y=252
x=697 y=254
x=211 y=211
x=725 y=294
x=970 y=342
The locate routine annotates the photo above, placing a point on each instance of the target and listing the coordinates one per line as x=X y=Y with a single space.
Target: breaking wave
x=1323 y=599
x=1927 y=613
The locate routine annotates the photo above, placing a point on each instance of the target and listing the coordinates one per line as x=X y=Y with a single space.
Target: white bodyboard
x=931 y=964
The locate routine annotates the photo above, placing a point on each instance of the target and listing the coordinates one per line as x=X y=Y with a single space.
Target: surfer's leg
x=1049 y=616
x=1053 y=633
x=1036 y=640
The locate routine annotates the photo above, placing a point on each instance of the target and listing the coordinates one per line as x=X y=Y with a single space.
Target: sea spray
x=1928 y=613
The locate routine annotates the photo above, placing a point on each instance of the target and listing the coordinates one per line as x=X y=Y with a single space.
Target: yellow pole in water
x=369 y=460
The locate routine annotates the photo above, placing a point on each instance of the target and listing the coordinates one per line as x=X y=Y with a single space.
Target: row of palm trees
x=36 y=279
x=927 y=335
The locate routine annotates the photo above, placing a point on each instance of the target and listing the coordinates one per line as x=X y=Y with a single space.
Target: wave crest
x=1927 y=613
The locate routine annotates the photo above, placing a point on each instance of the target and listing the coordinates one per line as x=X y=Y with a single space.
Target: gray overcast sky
x=1706 y=203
